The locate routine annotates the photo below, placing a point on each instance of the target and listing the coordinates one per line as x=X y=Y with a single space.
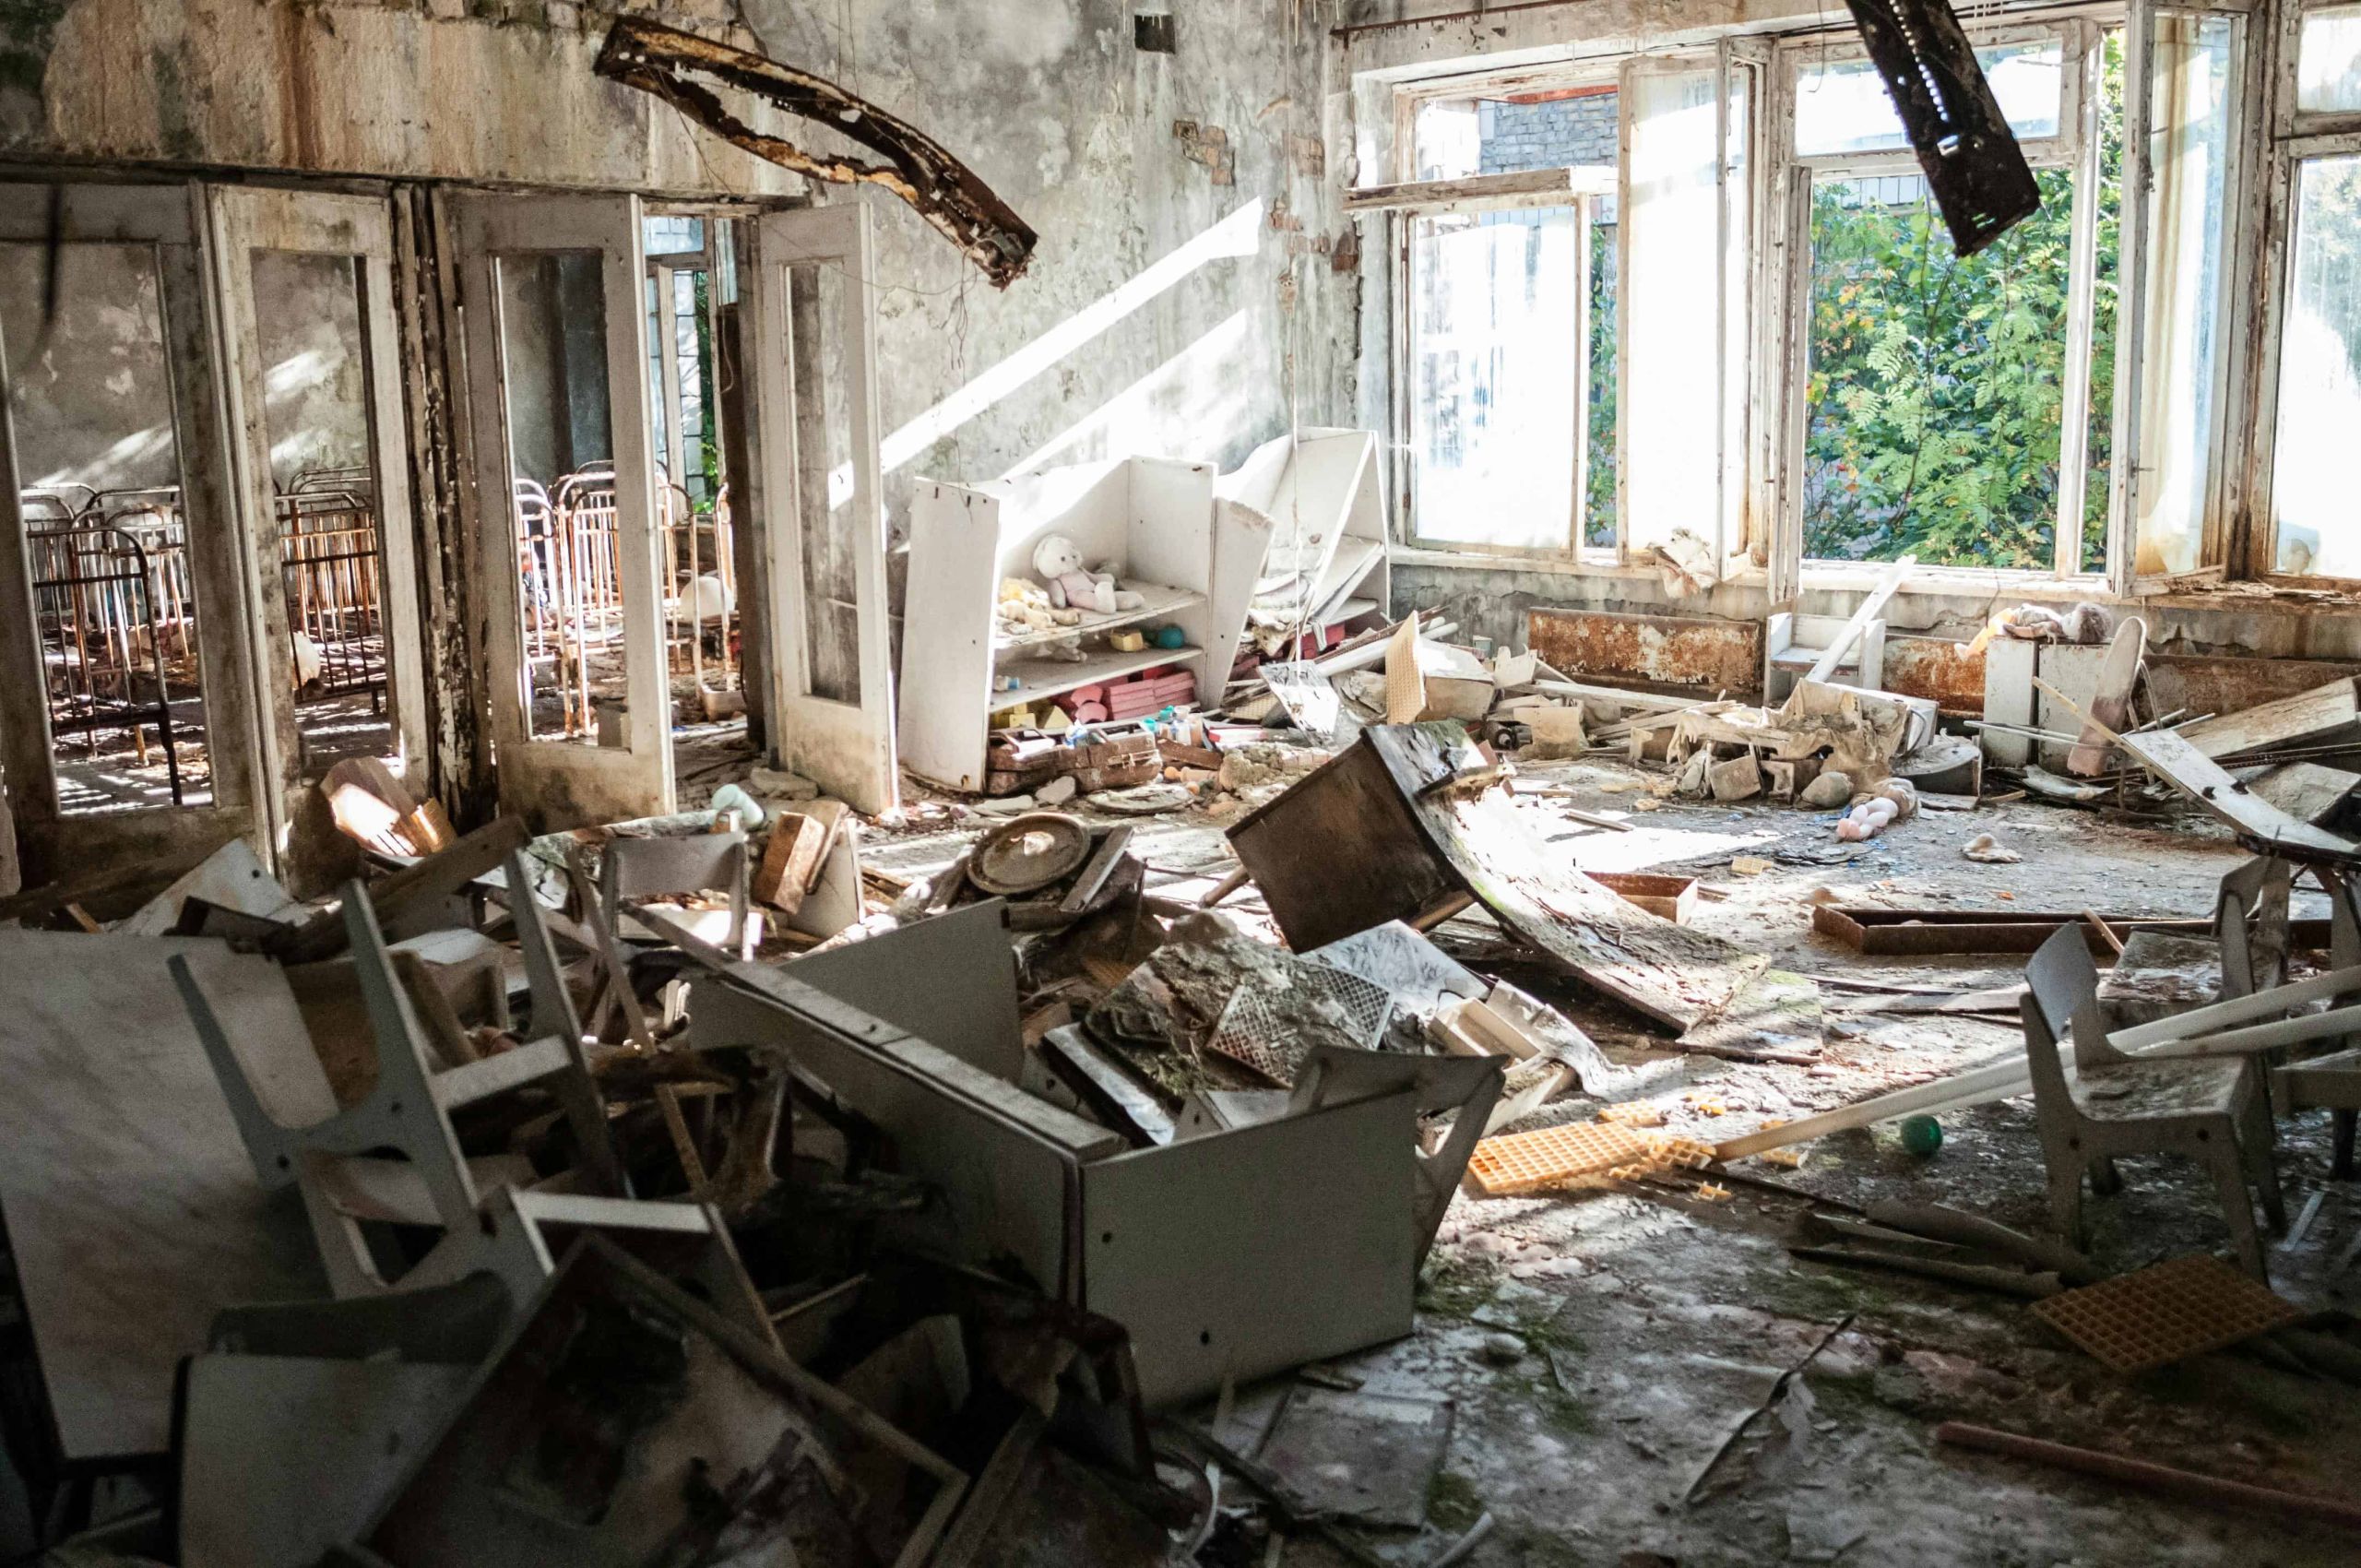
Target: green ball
x=1922 y=1135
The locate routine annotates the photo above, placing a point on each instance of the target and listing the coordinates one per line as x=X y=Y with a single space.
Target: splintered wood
x=2166 y=1314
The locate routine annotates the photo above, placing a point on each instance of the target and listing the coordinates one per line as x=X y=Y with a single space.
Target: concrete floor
x=1652 y=1321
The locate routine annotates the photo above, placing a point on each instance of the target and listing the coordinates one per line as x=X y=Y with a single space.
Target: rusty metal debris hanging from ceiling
x=667 y=63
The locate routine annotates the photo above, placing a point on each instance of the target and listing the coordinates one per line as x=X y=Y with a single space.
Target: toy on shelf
x=1059 y=561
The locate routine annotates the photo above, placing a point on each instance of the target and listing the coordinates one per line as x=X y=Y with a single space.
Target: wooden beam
x=1521 y=187
x=1832 y=656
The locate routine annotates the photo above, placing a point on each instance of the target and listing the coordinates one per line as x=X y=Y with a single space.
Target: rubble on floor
x=1257 y=1140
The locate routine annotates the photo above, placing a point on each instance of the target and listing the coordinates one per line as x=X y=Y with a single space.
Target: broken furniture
x=1410 y=824
x=1850 y=652
x=2326 y=1083
x=1231 y=1255
x=132 y=1211
x=2215 y=1112
x=624 y=1423
x=1792 y=644
x=693 y=862
x=1315 y=497
x=1150 y=521
x=295 y=1423
x=336 y=1154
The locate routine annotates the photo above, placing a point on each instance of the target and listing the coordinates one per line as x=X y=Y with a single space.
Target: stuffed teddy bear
x=1059 y=561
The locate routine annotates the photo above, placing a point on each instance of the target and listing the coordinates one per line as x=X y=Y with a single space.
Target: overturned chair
x=2215 y=1110
x=392 y=1156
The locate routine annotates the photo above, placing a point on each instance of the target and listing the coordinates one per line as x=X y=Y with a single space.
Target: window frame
x=2296 y=137
x=1408 y=99
x=2075 y=147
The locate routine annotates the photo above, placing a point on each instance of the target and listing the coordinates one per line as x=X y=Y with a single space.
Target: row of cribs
x=570 y=566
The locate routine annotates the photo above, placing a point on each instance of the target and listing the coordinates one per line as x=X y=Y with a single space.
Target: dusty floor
x=1651 y=1323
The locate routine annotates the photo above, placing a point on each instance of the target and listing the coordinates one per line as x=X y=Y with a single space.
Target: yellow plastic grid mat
x=2166 y=1314
x=1528 y=1162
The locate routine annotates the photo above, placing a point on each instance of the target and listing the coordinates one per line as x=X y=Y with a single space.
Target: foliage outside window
x=1938 y=383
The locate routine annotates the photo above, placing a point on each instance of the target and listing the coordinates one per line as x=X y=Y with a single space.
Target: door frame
x=848 y=749
x=246 y=218
x=168 y=218
x=558 y=784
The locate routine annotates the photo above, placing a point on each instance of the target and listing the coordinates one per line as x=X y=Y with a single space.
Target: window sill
x=1818 y=576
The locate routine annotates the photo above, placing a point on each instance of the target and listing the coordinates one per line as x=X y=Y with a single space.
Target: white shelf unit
x=1149 y=521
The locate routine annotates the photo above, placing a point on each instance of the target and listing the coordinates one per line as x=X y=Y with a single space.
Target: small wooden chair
x=2213 y=1111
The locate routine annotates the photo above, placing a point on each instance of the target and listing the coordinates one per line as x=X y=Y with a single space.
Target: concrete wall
x=487 y=89
x=91 y=394
x=308 y=310
x=1184 y=297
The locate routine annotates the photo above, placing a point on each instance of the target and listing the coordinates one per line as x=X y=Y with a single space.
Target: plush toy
x=1059 y=561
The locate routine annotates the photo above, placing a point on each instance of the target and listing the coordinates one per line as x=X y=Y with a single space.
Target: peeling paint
x=1679 y=652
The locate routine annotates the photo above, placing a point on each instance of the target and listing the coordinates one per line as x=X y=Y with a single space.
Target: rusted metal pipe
x=2187 y=1486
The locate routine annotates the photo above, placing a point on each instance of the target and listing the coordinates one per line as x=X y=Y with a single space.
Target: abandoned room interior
x=1088 y=783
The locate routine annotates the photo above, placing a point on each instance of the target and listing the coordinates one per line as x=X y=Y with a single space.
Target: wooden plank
x=2306 y=791
x=412 y=888
x=2291 y=720
x=1922 y=933
x=2178 y=763
x=1831 y=657
x=1521 y=187
x=130 y=1202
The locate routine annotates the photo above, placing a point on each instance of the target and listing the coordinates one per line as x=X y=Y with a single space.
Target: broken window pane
x=308 y=318
x=824 y=520
x=1495 y=335
x=2319 y=375
x=90 y=393
x=561 y=443
x=1559 y=129
x=1842 y=106
x=1936 y=381
x=2328 y=60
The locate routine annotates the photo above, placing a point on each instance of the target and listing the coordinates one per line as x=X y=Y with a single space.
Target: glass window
x=2313 y=500
x=1842 y=106
x=1456 y=138
x=90 y=388
x=1496 y=317
x=1673 y=220
x=2328 y=60
x=1937 y=383
x=2189 y=152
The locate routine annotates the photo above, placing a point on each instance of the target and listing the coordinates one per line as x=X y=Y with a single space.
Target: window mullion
x=1584 y=214
x=2081 y=289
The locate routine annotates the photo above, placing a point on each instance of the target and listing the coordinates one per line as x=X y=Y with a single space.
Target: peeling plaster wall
x=1183 y=299
x=480 y=90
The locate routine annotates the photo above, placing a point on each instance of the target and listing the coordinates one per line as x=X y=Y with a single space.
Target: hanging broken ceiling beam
x=1974 y=165
x=669 y=62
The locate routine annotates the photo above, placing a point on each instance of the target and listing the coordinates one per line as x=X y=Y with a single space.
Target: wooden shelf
x=1157 y=602
x=1057 y=677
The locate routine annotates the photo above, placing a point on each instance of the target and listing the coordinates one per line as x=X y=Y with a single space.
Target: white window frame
x=1410 y=199
x=2296 y=138
x=2074 y=146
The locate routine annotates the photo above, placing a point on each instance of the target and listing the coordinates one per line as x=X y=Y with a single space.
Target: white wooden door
x=812 y=308
x=553 y=290
x=321 y=475
x=124 y=583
